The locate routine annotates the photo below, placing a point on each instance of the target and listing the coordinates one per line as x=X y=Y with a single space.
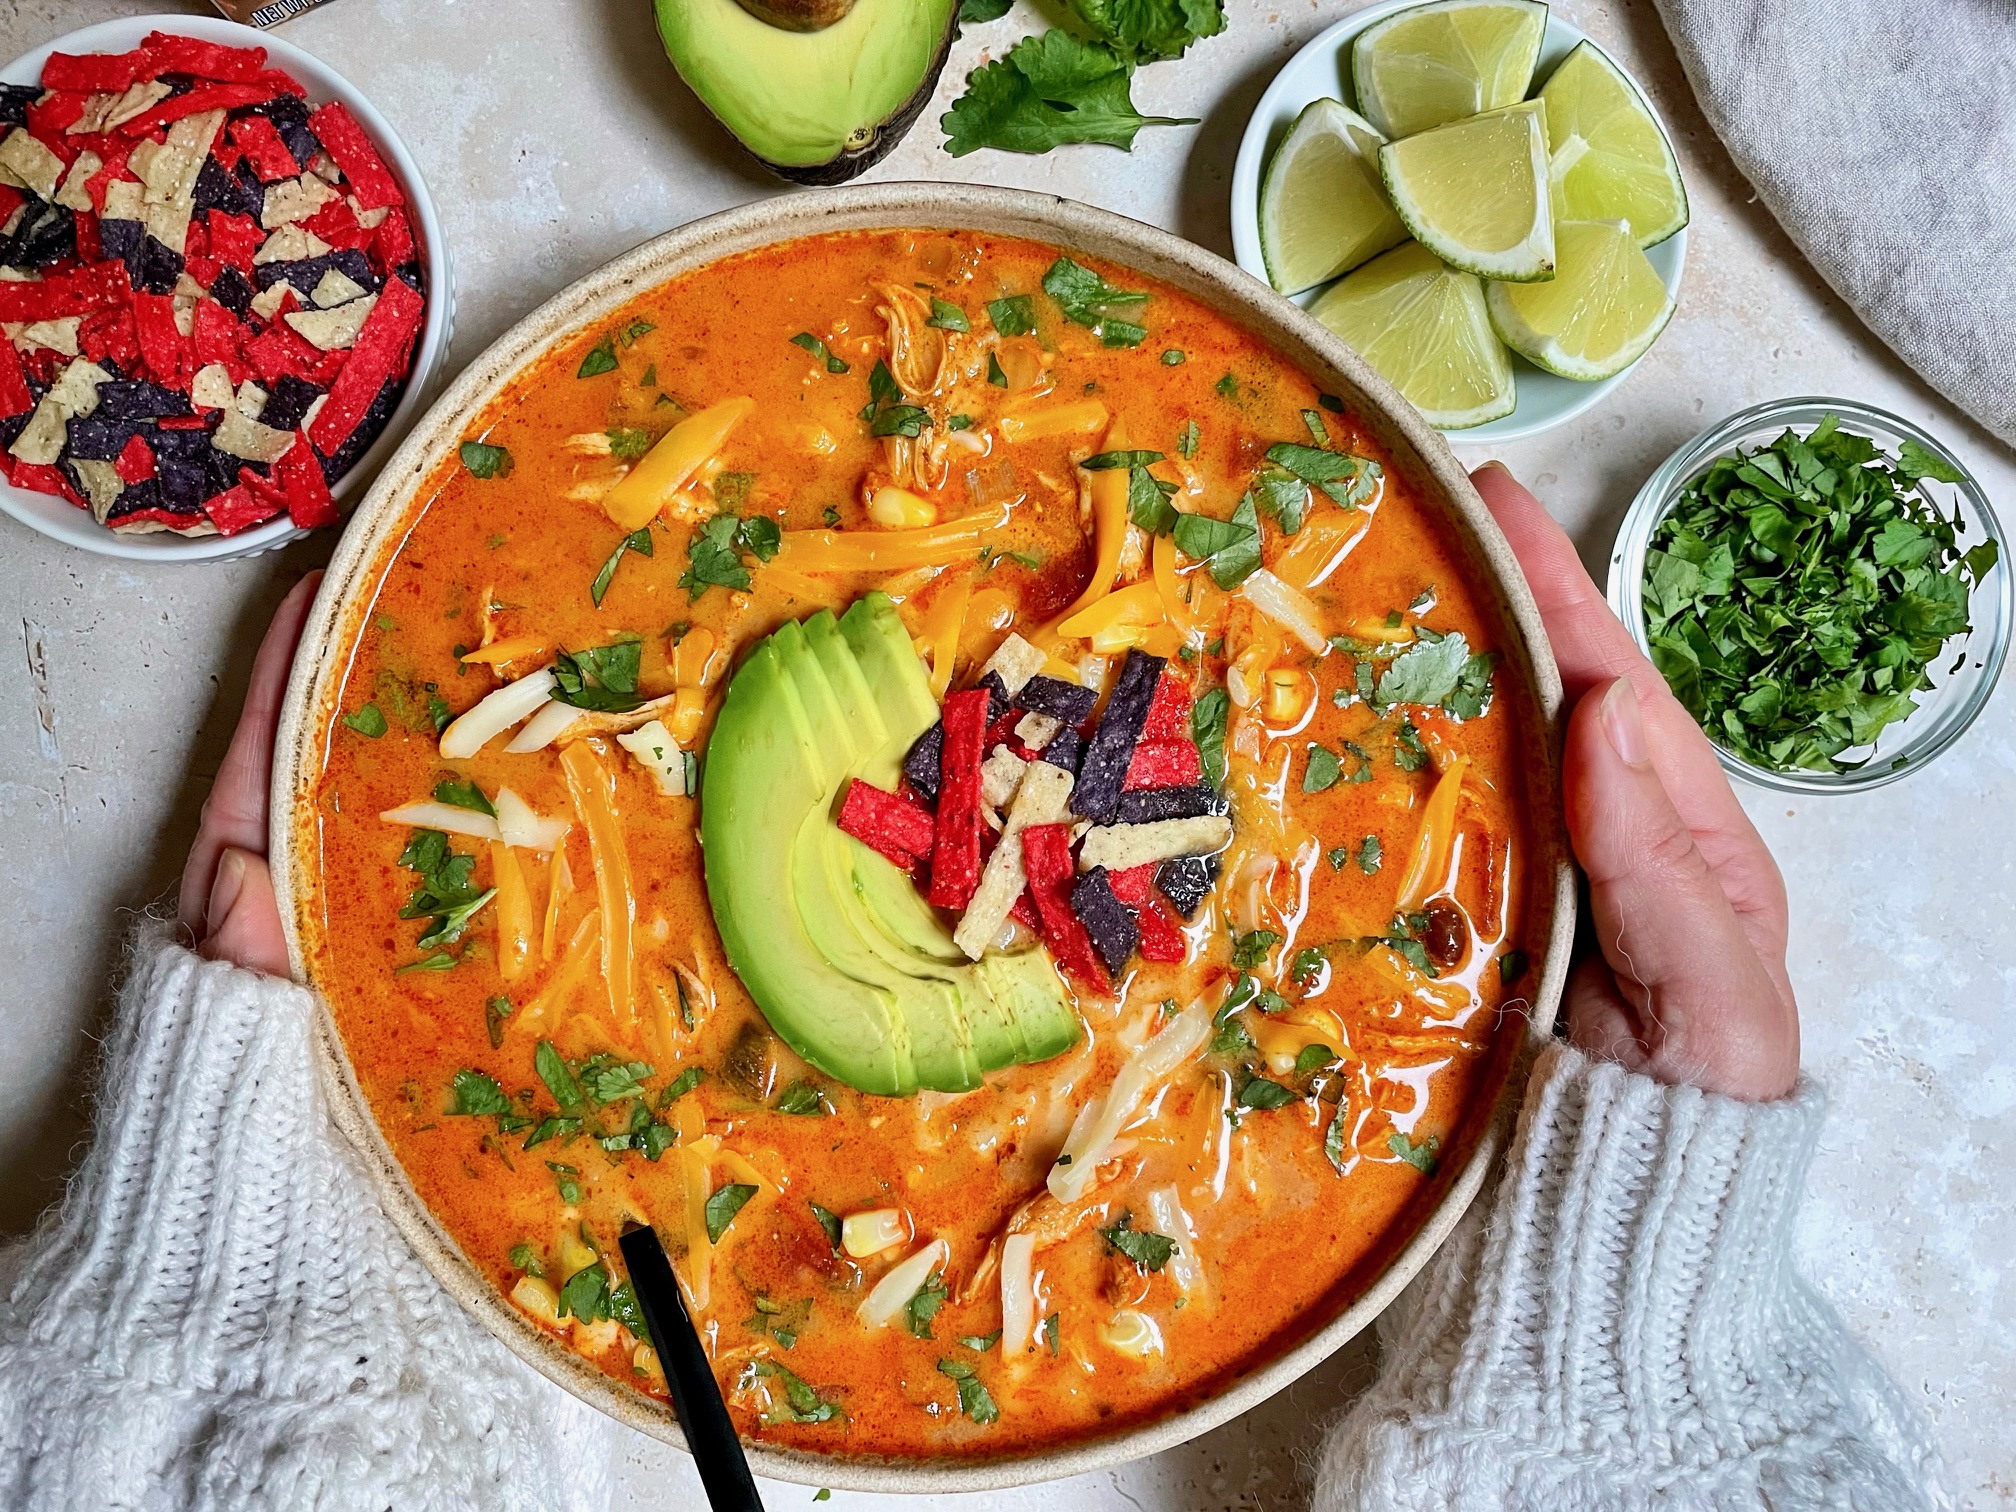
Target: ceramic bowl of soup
x=976 y=770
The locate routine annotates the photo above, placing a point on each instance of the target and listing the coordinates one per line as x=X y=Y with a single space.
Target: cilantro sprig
x=1047 y=92
x=1798 y=595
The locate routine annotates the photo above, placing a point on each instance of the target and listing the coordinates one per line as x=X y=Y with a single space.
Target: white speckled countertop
x=554 y=135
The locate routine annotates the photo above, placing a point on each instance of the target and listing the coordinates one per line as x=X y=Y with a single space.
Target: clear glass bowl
x=1959 y=692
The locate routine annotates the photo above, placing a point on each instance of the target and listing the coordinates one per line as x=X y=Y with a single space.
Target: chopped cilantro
x=981 y=1343
x=495 y=1012
x=1148 y=502
x=680 y=1085
x=1088 y=300
x=1227 y=387
x=600 y=678
x=830 y=1222
x=1313 y=1058
x=974 y=1400
x=567 y=1180
x=1420 y=1156
x=995 y=375
x=601 y=359
x=526 y=1259
x=628 y=441
x=924 y=1304
x=1511 y=966
x=1409 y=754
x=1012 y=314
x=1148 y=1250
x=829 y=517
x=1250 y=950
x=476 y=1095
x=1333 y=1137
x=586 y=1294
x=801 y=1404
x=1230 y=549
x=439 y=961
x=1369 y=855
x=802 y=1098
x=559 y=1077
x=367 y=721
x=1337 y=855
x=886 y=413
x=1173 y=358
x=484 y=460
x=1263 y=1095
x=1307 y=963
x=1186 y=440
x=820 y=351
x=722 y=1207
x=635 y=331
x=638 y=541
x=464 y=795
x=1108 y=461
x=1050 y=1334
x=1322 y=770
x=447 y=896
x=1207 y=728
x=947 y=316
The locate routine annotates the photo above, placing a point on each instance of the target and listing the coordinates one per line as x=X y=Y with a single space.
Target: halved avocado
x=817 y=89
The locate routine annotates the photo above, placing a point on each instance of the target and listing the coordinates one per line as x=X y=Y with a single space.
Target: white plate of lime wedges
x=1477 y=198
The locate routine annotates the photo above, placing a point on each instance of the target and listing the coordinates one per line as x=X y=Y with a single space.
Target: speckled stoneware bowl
x=1414 y=447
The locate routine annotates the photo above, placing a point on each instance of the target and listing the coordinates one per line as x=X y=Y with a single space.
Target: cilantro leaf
x=1347 y=480
x=1263 y=1095
x=1427 y=672
x=1322 y=770
x=601 y=359
x=1012 y=314
x=484 y=460
x=367 y=721
x=1145 y=30
x=722 y=1207
x=1148 y=1250
x=830 y=1222
x=586 y=1294
x=1088 y=300
x=599 y=677
x=558 y=1076
x=978 y=12
x=1333 y=1138
x=465 y=795
x=1420 y=1156
x=886 y=413
x=712 y=560
x=1148 y=502
x=947 y=316
x=924 y=1304
x=820 y=351
x=974 y=1399
x=1230 y=549
x=1208 y=717
x=476 y=1095
x=638 y=541
x=1048 y=91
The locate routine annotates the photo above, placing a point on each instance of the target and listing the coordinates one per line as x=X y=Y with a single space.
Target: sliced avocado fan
x=817 y=89
x=850 y=965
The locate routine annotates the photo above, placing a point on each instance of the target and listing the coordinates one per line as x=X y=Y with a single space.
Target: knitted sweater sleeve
x=219 y=1316
x=1618 y=1325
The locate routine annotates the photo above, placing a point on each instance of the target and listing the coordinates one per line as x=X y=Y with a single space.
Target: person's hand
x=226 y=907
x=1687 y=904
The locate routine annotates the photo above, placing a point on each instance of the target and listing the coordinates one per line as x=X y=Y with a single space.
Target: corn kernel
x=900 y=509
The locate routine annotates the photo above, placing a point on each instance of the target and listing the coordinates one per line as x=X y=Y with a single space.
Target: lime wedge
x=1474 y=192
x=1610 y=159
x=1423 y=325
x=1596 y=316
x=1437 y=63
x=1322 y=209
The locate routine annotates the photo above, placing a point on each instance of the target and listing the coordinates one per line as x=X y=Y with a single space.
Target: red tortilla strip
x=1164 y=764
x=892 y=826
x=256 y=137
x=307 y=490
x=110 y=333
x=1131 y=886
x=234 y=239
x=955 y=849
x=1046 y=857
x=344 y=140
x=15 y=399
x=76 y=293
x=1024 y=912
x=53 y=115
x=39 y=477
x=92 y=72
x=1161 y=938
x=238 y=509
x=218 y=337
x=135 y=464
x=336 y=225
x=395 y=241
x=380 y=353
x=11 y=199
x=208 y=97
x=170 y=53
x=114 y=151
x=165 y=349
x=1169 y=712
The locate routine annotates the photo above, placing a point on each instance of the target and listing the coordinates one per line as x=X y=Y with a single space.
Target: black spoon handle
x=717 y=1452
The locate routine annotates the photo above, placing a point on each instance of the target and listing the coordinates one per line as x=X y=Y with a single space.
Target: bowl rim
x=1249 y=176
x=1624 y=587
x=343 y=597
x=121 y=33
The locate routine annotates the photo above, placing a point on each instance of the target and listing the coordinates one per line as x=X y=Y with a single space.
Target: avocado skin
x=847 y=962
x=678 y=18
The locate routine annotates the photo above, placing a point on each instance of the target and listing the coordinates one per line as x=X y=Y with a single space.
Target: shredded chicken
x=916 y=348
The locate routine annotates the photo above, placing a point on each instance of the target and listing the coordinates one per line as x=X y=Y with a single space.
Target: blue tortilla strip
x=1102 y=771
x=147 y=502
x=13 y=425
x=359 y=441
x=1059 y=699
x=45 y=235
x=926 y=757
x=1147 y=805
x=288 y=402
x=290 y=119
x=185 y=483
x=136 y=399
x=997 y=695
x=306 y=272
x=233 y=290
x=99 y=439
x=1065 y=749
x=155 y=267
x=120 y=238
x=1108 y=921
x=1186 y=882
x=218 y=188
x=15 y=100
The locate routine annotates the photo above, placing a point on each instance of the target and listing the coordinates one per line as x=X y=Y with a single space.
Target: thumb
x=243 y=917
x=1693 y=1001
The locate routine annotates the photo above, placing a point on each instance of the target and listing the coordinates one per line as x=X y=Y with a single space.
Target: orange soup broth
x=1283 y=1236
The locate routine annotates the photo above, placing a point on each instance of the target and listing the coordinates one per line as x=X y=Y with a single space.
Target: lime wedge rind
x=1610 y=157
x=1323 y=209
x=1475 y=192
x=1434 y=63
x=1598 y=316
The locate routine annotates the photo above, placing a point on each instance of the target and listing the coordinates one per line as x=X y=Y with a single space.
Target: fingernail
x=224 y=890
x=1623 y=724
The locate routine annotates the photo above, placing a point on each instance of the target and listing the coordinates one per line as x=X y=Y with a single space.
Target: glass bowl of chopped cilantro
x=1822 y=584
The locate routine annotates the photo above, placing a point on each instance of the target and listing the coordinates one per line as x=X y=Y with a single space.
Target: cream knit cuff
x=1617 y=1324
x=219 y=1315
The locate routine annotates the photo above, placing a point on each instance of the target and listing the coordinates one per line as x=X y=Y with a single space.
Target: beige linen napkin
x=1883 y=137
